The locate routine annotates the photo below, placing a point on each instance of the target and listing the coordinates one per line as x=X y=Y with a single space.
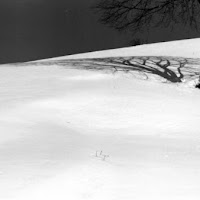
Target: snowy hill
x=120 y=124
x=176 y=61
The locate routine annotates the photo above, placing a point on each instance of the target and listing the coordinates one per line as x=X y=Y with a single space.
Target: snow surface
x=56 y=120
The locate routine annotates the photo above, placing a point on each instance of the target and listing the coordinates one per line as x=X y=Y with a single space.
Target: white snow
x=54 y=119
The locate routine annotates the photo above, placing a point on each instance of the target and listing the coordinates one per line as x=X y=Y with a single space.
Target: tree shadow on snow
x=172 y=69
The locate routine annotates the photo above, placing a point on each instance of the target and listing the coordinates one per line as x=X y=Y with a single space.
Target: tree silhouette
x=137 y=15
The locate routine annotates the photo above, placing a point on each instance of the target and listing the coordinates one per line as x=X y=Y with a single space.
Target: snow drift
x=93 y=129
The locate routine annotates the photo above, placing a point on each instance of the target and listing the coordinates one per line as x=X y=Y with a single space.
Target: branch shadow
x=172 y=69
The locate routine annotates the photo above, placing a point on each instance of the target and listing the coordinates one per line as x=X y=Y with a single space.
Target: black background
x=35 y=29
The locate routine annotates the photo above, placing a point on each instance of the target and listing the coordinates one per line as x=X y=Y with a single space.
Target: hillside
x=120 y=125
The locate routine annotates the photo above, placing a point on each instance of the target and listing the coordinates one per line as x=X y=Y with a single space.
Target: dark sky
x=35 y=29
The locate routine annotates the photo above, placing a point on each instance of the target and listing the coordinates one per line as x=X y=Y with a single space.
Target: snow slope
x=55 y=120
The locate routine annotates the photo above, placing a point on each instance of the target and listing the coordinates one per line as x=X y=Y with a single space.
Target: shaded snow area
x=108 y=129
x=158 y=68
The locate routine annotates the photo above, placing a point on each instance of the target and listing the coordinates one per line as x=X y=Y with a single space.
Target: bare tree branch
x=139 y=15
